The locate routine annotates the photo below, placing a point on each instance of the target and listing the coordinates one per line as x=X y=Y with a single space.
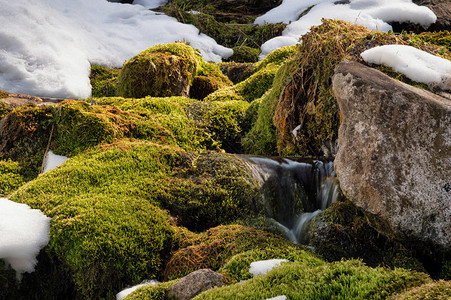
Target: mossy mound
x=439 y=290
x=244 y=54
x=152 y=292
x=103 y=81
x=108 y=226
x=341 y=280
x=208 y=79
x=248 y=90
x=11 y=177
x=160 y=71
x=229 y=22
x=237 y=72
x=213 y=248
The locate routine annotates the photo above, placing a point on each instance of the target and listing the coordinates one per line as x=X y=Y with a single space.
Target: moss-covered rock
x=237 y=72
x=160 y=71
x=208 y=79
x=213 y=248
x=248 y=90
x=10 y=176
x=108 y=224
x=341 y=280
x=103 y=81
x=439 y=290
x=244 y=54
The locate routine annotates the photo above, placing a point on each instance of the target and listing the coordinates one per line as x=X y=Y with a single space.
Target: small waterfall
x=295 y=191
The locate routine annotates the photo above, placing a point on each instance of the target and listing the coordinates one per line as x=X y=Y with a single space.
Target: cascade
x=294 y=191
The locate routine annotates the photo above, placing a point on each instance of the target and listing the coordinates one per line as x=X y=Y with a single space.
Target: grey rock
x=394 y=156
x=442 y=9
x=195 y=283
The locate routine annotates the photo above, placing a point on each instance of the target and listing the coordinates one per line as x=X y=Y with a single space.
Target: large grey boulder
x=394 y=157
x=195 y=283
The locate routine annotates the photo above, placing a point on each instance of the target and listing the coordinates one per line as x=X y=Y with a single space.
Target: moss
x=108 y=224
x=103 y=81
x=261 y=139
x=340 y=280
x=237 y=267
x=439 y=290
x=25 y=134
x=152 y=292
x=230 y=24
x=11 y=176
x=209 y=78
x=278 y=56
x=4 y=110
x=160 y=71
x=225 y=121
x=441 y=38
x=237 y=72
x=243 y=54
x=213 y=248
x=248 y=90
x=3 y=94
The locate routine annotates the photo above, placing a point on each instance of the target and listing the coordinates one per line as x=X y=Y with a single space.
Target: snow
x=124 y=293
x=282 y=297
x=264 y=266
x=373 y=14
x=23 y=233
x=47 y=46
x=52 y=161
x=417 y=65
x=150 y=3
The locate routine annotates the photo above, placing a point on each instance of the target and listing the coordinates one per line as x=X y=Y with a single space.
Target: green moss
x=237 y=267
x=439 y=290
x=243 y=54
x=215 y=247
x=103 y=81
x=3 y=94
x=160 y=71
x=248 y=90
x=261 y=139
x=108 y=224
x=278 y=56
x=11 y=177
x=225 y=121
x=237 y=72
x=4 y=110
x=340 y=280
x=441 y=38
x=152 y=291
x=230 y=24
x=209 y=78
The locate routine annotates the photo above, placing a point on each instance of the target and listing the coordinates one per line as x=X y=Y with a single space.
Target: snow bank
x=150 y=3
x=264 y=266
x=23 y=232
x=373 y=14
x=47 y=46
x=124 y=293
x=417 y=65
x=51 y=161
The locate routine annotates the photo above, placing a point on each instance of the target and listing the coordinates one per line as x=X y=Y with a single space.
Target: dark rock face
x=195 y=283
x=442 y=9
x=394 y=153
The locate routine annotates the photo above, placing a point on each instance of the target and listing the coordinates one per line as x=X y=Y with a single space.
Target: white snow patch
x=264 y=266
x=52 y=160
x=282 y=297
x=23 y=233
x=124 y=293
x=417 y=65
x=47 y=46
x=150 y=3
x=373 y=14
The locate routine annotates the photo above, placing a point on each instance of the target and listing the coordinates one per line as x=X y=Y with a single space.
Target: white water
x=315 y=183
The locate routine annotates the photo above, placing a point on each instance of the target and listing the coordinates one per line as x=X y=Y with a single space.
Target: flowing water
x=295 y=191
